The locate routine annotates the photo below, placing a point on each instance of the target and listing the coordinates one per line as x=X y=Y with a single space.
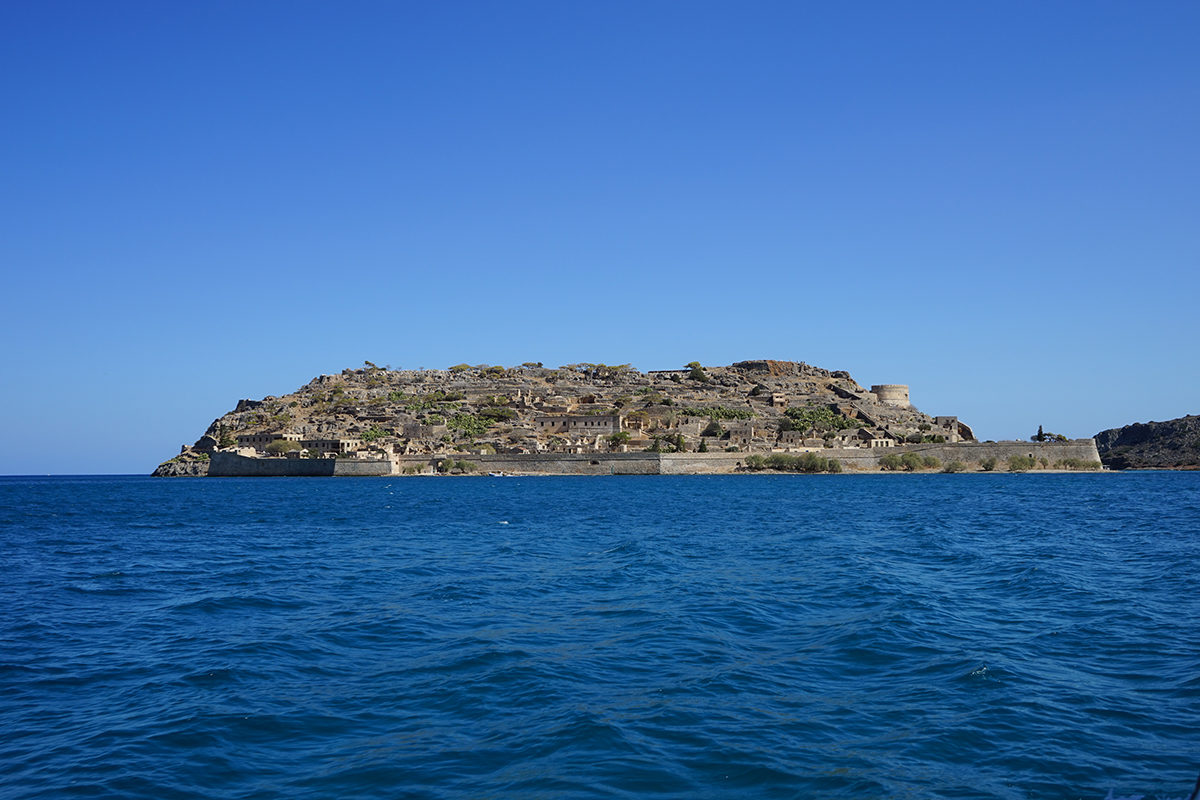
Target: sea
x=762 y=636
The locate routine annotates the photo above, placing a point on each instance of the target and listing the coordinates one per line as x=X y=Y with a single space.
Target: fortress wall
x=852 y=458
x=231 y=465
x=701 y=463
x=548 y=463
x=971 y=452
x=358 y=468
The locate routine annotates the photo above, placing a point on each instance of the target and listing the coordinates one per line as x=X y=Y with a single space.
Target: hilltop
x=1174 y=444
x=749 y=406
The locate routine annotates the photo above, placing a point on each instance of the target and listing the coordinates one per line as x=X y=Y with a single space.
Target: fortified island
x=599 y=419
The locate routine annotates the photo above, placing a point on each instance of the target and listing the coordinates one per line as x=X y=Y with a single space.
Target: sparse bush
x=954 y=466
x=460 y=368
x=469 y=425
x=1077 y=463
x=784 y=462
x=819 y=418
x=890 y=462
x=1021 y=463
x=931 y=462
x=372 y=434
x=717 y=412
x=988 y=464
x=498 y=413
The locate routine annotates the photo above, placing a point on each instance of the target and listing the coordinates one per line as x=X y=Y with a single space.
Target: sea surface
x=825 y=636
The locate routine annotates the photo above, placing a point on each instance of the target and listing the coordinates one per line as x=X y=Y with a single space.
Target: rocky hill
x=1174 y=444
x=747 y=406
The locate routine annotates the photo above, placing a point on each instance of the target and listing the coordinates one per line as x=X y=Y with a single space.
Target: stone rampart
x=970 y=452
x=231 y=465
x=852 y=458
x=547 y=463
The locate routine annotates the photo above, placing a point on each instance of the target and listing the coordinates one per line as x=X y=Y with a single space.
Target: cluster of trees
x=1044 y=436
x=816 y=418
x=717 y=412
x=784 y=462
x=909 y=462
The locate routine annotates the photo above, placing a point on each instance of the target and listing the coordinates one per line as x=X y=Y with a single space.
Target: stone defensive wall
x=231 y=465
x=970 y=452
x=546 y=463
x=855 y=458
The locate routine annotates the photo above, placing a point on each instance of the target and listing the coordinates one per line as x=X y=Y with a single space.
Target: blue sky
x=996 y=203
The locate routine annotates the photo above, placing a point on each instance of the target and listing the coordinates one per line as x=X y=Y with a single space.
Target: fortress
x=589 y=419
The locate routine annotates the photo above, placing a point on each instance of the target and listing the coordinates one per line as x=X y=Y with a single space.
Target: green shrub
x=954 y=466
x=717 y=412
x=498 y=413
x=931 y=462
x=1077 y=463
x=281 y=446
x=890 y=462
x=703 y=448
x=988 y=464
x=819 y=418
x=373 y=433
x=469 y=425
x=911 y=462
x=784 y=462
x=1021 y=463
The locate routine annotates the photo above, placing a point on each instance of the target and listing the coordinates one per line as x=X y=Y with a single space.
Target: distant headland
x=600 y=419
x=1173 y=444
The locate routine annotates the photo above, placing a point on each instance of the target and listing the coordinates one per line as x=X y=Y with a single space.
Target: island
x=600 y=419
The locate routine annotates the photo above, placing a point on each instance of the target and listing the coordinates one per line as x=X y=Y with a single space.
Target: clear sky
x=996 y=203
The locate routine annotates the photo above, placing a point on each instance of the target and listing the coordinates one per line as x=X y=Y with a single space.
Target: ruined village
x=410 y=418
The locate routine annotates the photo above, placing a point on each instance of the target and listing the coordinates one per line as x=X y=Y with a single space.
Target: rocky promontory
x=1173 y=444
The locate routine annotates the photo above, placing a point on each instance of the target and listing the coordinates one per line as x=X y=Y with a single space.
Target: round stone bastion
x=892 y=394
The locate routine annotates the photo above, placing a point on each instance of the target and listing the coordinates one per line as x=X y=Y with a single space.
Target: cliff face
x=1174 y=444
x=748 y=406
x=181 y=468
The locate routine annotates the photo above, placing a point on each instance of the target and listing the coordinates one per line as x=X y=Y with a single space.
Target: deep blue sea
x=840 y=636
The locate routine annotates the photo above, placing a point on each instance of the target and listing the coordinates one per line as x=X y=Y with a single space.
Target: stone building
x=586 y=425
x=341 y=446
x=259 y=441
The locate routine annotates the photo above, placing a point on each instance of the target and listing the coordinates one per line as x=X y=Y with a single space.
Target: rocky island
x=599 y=419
